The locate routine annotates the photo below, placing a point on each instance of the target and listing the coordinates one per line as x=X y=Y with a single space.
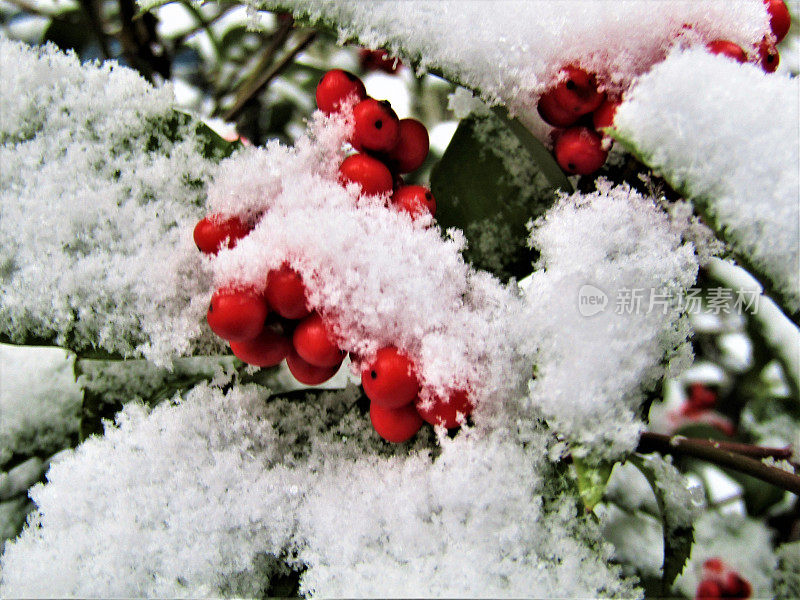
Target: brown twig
x=724 y=454
x=257 y=82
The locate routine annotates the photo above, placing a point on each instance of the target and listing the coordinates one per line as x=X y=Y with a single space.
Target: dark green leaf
x=493 y=178
x=212 y=145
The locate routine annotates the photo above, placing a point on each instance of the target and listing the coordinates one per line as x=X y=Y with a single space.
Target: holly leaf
x=678 y=535
x=592 y=481
x=493 y=178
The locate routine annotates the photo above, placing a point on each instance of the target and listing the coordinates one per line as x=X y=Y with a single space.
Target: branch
x=257 y=82
x=724 y=454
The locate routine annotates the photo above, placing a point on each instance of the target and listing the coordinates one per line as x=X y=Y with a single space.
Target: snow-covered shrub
x=209 y=485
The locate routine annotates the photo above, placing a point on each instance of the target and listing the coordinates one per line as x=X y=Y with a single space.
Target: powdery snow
x=99 y=190
x=727 y=136
x=39 y=401
x=211 y=496
x=606 y=303
x=511 y=51
x=376 y=276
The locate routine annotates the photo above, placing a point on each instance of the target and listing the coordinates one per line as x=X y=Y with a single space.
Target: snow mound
x=606 y=302
x=214 y=495
x=100 y=184
x=727 y=137
x=518 y=48
x=39 y=401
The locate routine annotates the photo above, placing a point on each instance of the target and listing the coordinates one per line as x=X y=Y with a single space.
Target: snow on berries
x=577 y=93
x=561 y=59
x=340 y=258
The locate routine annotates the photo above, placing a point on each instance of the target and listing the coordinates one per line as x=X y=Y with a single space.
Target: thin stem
x=258 y=82
x=712 y=452
x=205 y=25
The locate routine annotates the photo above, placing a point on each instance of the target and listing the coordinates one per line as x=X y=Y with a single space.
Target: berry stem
x=744 y=458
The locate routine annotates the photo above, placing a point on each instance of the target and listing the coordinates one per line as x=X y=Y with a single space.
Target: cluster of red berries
x=720 y=581
x=386 y=146
x=581 y=111
x=266 y=325
x=396 y=408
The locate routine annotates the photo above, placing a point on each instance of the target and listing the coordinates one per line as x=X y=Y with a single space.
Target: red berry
x=395 y=425
x=779 y=18
x=377 y=127
x=412 y=146
x=736 y=586
x=552 y=113
x=450 y=414
x=212 y=232
x=267 y=349
x=576 y=93
x=390 y=380
x=713 y=565
x=370 y=173
x=378 y=60
x=701 y=398
x=768 y=56
x=580 y=150
x=604 y=116
x=336 y=86
x=314 y=344
x=727 y=48
x=237 y=315
x=414 y=199
x=708 y=590
x=307 y=373
x=286 y=293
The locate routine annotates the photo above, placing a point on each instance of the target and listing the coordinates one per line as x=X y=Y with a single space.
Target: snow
x=210 y=496
x=376 y=276
x=727 y=137
x=741 y=542
x=597 y=350
x=514 y=49
x=99 y=199
x=39 y=401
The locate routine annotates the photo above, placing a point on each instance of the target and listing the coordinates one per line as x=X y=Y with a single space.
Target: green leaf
x=493 y=178
x=212 y=145
x=678 y=538
x=592 y=481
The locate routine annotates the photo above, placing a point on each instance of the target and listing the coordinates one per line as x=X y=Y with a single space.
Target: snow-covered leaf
x=678 y=508
x=726 y=137
x=214 y=495
x=493 y=178
x=510 y=51
x=605 y=309
x=101 y=182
